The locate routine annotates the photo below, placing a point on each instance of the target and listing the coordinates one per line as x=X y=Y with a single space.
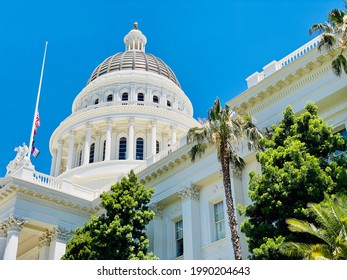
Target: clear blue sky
x=211 y=45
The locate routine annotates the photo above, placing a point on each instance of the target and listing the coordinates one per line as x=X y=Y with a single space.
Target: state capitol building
x=133 y=114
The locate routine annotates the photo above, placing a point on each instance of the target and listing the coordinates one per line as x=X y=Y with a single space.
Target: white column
x=173 y=134
x=130 y=148
x=153 y=137
x=108 y=140
x=58 y=243
x=14 y=225
x=239 y=197
x=59 y=155
x=191 y=223
x=158 y=238
x=3 y=235
x=87 y=143
x=53 y=163
x=70 y=155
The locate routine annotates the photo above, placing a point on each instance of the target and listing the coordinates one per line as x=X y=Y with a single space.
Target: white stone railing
x=155 y=158
x=300 y=51
x=174 y=106
x=46 y=180
x=273 y=66
x=63 y=185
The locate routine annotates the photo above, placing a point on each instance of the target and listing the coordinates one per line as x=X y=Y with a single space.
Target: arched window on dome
x=122 y=148
x=104 y=150
x=157 y=147
x=155 y=99
x=91 y=153
x=96 y=101
x=80 y=158
x=140 y=97
x=125 y=96
x=110 y=98
x=168 y=103
x=139 y=148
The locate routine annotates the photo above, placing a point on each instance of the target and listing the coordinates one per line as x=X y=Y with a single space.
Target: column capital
x=189 y=192
x=109 y=121
x=61 y=234
x=60 y=141
x=158 y=210
x=72 y=132
x=153 y=122
x=131 y=120
x=3 y=229
x=173 y=126
x=46 y=238
x=13 y=223
x=89 y=125
x=236 y=173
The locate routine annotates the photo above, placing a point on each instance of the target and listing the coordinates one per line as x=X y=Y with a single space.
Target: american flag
x=37 y=122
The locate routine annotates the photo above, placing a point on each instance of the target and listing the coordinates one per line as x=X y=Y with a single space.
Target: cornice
x=283 y=82
x=172 y=161
x=40 y=198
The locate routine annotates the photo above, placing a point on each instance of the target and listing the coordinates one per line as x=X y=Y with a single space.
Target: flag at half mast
x=36 y=120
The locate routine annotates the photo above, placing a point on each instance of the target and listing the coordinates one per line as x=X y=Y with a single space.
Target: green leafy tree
x=119 y=233
x=334 y=35
x=297 y=167
x=330 y=227
x=224 y=130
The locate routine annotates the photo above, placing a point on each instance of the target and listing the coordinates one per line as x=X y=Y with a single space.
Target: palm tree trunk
x=235 y=239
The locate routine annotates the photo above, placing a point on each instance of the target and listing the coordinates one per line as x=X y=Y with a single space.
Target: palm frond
x=328 y=42
x=306 y=251
x=197 y=151
x=320 y=28
x=336 y=16
x=339 y=64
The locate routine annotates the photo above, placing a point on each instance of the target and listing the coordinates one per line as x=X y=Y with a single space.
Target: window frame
x=122 y=149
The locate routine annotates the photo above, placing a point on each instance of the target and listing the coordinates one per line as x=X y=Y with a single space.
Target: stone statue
x=19 y=160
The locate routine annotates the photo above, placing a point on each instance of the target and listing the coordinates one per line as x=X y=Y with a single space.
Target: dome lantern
x=135 y=40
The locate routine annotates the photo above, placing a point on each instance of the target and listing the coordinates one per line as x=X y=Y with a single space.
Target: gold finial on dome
x=135 y=25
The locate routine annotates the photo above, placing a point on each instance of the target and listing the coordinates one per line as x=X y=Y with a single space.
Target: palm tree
x=225 y=130
x=331 y=215
x=334 y=35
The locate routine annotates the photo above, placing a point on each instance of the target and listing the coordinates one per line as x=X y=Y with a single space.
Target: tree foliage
x=225 y=130
x=119 y=233
x=297 y=167
x=330 y=227
x=334 y=35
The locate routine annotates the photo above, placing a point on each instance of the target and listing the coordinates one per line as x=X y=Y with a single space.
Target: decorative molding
x=189 y=192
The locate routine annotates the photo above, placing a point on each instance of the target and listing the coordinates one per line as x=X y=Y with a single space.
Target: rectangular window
x=179 y=238
x=343 y=133
x=219 y=222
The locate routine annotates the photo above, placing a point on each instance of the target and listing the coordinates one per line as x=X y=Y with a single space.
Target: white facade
x=133 y=114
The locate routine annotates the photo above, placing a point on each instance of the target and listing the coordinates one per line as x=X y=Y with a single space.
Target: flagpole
x=37 y=103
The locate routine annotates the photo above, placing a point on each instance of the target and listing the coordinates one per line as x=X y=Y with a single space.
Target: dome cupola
x=134 y=58
x=135 y=40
